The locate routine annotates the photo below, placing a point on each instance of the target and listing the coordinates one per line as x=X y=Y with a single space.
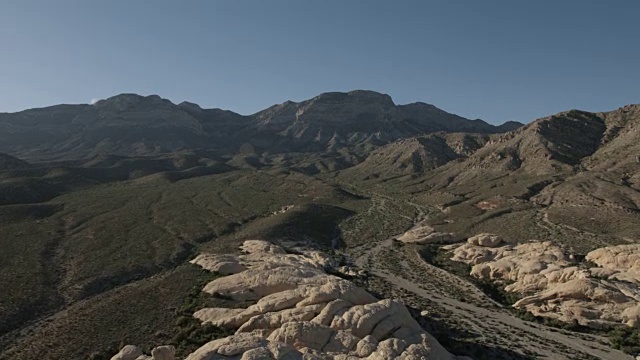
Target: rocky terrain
x=303 y=312
x=417 y=155
x=387 y=231
x=557 y=285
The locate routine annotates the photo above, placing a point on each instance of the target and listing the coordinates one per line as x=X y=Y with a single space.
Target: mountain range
x=130 y=124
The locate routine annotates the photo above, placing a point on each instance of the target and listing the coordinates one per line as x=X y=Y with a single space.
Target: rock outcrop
x=556 y=286
x=223 y=264
x=304 y=313
x=128 y=352
x=426 y=235
x=486 y=240
x=166 y=352
x=132 y=352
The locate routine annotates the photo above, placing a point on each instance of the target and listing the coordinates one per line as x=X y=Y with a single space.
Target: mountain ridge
x=131 y=124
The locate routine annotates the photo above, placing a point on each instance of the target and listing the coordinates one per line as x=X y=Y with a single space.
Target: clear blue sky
x=495 y=60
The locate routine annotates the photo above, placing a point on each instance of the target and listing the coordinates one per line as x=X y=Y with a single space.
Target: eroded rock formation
x=304 y=313
x=132 y=352
x=554 y=285
x=426 y=235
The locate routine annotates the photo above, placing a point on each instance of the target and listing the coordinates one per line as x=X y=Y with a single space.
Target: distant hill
x=577 y=168
x=134 y=125
x=8 y=162
x=357 y=120
x=565 y=144
x=126 y=125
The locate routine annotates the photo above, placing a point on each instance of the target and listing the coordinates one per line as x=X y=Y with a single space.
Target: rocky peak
x=510 y=126
x=620 y=118
x=362 y=97
x=570 y=136
x=619 y=147
x=345 y=108
x=189 y=106
x=125 y=101
x=421 y=107
x=549 y=146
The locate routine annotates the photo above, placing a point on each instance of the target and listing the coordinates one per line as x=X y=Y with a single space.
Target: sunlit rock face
x=426 y=235
x=300 y=312
x=304 y=313
x=554 y=285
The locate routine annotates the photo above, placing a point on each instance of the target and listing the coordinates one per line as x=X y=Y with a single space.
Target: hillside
x=417 y=155
x=573 y=175
x=8 y=162
x=357 y=122
x=126 y=124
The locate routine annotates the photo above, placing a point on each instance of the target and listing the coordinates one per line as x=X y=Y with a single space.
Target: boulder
x=262 y=247
x=223 y=264
x=426 y=235
x=486 y=240
x=128 y=352
x=166 y=352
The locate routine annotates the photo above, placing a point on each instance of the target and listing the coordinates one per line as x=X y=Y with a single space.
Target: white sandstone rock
x=426 y=235
x=128 y=352
x=261 y=246
x=304 y=313
x=555 y=286
x=166 y=352
x=486 y=240
x=223 y=264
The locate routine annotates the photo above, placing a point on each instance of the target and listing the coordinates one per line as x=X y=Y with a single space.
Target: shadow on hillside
x=315 y=222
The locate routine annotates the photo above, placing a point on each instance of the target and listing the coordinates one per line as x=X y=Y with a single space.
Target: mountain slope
x=573 y=177
x=132 y=125
x=8 y=162
x=357 y=120
x=417 y=155
x=126 y=124
x=548 y=147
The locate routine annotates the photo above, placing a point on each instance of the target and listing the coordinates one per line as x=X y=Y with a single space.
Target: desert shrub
x=626 y=339
x=189 y=334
